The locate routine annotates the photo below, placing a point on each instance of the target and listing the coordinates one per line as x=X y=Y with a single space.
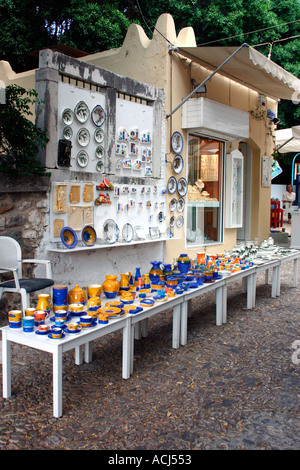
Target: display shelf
x=193 y=203
x=100 y=246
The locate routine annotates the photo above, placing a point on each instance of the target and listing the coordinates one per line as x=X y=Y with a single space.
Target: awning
x=248 y=67
x=288 y=140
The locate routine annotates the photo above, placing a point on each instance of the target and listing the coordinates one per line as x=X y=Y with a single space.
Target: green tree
x=20 y=139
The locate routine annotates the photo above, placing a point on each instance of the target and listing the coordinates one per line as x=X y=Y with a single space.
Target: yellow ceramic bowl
x=110 y=311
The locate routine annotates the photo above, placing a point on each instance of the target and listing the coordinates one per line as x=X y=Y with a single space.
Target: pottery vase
x=137 y=275
x=44 y=303
x=183 y=263
x=147 y=284
x=111 y=286
x=124 y=282
x=167 y=270
x=155 y=272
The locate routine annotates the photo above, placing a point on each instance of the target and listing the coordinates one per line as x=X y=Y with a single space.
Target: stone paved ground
x=231 y=387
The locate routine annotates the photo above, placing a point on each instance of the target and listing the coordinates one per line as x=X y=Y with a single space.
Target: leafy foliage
x=20 y=139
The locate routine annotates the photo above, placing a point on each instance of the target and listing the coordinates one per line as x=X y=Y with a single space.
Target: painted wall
x=149 y=61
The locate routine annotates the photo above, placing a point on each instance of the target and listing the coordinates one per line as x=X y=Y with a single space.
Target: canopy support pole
x=207 y=79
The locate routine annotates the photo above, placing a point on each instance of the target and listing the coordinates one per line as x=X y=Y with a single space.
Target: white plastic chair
x=11 y=261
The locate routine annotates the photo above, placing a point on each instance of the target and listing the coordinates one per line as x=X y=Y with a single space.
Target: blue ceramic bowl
x=68 y=237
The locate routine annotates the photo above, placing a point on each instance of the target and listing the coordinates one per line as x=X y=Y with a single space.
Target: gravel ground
x=231 y=387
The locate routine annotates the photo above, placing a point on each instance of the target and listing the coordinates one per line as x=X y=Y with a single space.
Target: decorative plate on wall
x=99 y=152
x=89 y=235
x=182 y=187
x=173 y=205
x=172 y=185
x=177 y=142
x=83 y=137
x=179 y=221
x=99 y=136
x=67 y=116
x=172 y=221
x=177 y=164
x=67 y=133
x=110 y=231
x=100 y=166
x=98 y=115
x=127 y=233
x=81 y=112
x=180 y=204
x=82 y=158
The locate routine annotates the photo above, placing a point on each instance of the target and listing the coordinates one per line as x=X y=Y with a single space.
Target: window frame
x=189 y=245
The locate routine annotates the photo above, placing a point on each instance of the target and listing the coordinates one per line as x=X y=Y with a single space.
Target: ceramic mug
x=28 y=324
x=62 y=314
x=43 y=328
x=30 y=311
x=59 y=322
x=86 y=320
x=40 y=316
x=73 y=326
x=56 y=332
x=15 y=315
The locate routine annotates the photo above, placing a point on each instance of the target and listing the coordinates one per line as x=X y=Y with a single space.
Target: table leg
x=254 y=277
x=127 y=360
x=275 y=289
x=176 y=326
x=250 y=300
x=78 y=355
x=57 y=382
x=295 y=278
x=219 y=306
x=224 y=304
x=6 y=366
x=183 y=323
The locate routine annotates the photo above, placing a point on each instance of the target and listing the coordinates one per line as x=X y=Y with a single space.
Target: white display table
x=295 y=229
x=131 y=322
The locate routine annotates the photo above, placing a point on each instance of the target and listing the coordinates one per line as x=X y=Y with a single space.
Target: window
x=204 y=205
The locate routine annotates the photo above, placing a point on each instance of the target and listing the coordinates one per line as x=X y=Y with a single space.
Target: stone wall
x=24 y=213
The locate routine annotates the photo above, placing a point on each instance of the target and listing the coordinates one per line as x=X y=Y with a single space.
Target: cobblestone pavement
x=231 y=387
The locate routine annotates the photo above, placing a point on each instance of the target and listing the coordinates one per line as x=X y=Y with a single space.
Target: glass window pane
x=204 y=191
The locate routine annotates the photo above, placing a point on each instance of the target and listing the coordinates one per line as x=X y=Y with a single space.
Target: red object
x=276 y=216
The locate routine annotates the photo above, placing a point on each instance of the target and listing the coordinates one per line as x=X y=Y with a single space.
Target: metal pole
x=208 y=78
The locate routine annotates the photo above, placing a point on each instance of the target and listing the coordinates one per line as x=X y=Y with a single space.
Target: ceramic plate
x=182 y=187
x=100 y=166
x=110 y=231
x=177 y=142
x=172 y=221
x=172 y=185
x=67 y=133
x=82 y=158
x=180 y=204
x=67 y=116
x=177 y=164
x=173 y=205
x=99 y=152
x=83 y=137
x=99 y=136
x=68 y=237
x=81 y=112
x=127 y=233
x=179 y=221
x=98 y=115
x=139 y=232
x=89 y=235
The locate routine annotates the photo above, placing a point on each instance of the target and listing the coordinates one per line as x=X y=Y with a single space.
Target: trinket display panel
x=81 y=121
x=118 y=212
x=134 y=134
